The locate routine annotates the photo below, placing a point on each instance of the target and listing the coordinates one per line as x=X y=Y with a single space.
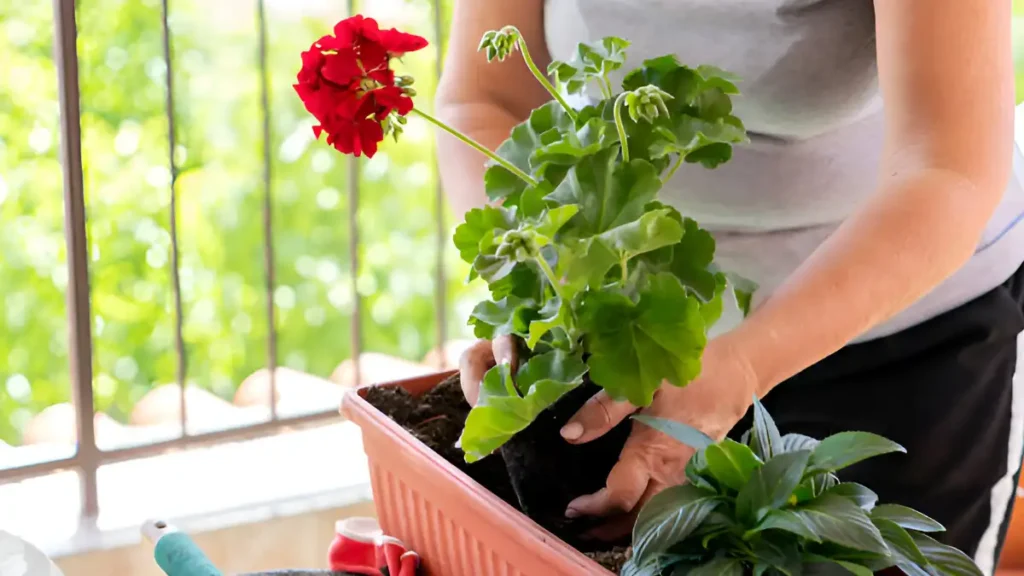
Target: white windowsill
x=197 y=490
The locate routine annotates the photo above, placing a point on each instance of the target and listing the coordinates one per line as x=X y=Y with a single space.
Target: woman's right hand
x=481 y=357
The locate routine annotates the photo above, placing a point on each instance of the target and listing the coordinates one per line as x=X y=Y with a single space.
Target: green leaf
x=594 y=135
x=697 y=468
x=510 y=315
x=590 y=62
x=720 y=566
x=731 y=463
x=945 y=560
x=552 y=220
x=765 y=439
x=635 y=346
x=782 y=556
x=683 y=433
x=906 y=517
x=711 y=310
x=650 y=232
x=846 y=448
x=526 y=138
x=651 y=568
x=503 y=408
x=793 y=442
x=788 y=521
x=499 y=183
x=771 y=485
x=901 y=545
x=608 y=192
x=681 y=82
x=583 y=263
x=715 y=77
x=831 y=518
x=668 y=518
x=819 y=566
x=860 y=495
x=553 y=315
x=698 y=140
x=481 y=223
x=743 y=289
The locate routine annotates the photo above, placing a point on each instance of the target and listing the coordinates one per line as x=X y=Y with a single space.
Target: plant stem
x=543 y=79
x=478 y=146
x=606 y=87
x=679 y=162
x=617 y=112
x=550 y=274
x=625 y=269
x=510 y=385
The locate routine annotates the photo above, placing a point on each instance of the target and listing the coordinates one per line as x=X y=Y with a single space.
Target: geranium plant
x=599 y=279
x=773 y=504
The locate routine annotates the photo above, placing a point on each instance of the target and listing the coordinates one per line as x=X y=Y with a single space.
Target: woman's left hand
x=652 y=461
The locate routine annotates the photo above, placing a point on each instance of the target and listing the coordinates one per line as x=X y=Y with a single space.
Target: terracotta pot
x=1013 y=548
x=458 y=527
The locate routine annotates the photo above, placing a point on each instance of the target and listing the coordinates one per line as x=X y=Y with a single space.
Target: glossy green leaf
x=669 y=517
x=781 y=555
x=720 y=566
x=846 y=448
x=771 y=485
x=793 y=442
x=901 y=546
x=945 y=560
x=765 y=439
x=906 y=517
x=862 y=496
x=683 y=433
x=817 y=565
x=635 y=346
x=829 y=518
x=505 y=407
x=697 y=468
x=731 y=463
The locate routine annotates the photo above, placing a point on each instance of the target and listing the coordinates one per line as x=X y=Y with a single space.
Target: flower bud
x=500 y=43
x=647 y=103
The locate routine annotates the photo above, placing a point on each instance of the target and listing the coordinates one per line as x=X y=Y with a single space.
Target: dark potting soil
x=536 y=472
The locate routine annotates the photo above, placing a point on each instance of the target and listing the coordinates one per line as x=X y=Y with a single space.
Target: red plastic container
x=458 y=527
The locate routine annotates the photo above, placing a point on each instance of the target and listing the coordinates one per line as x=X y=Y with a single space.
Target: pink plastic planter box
x=456 y=525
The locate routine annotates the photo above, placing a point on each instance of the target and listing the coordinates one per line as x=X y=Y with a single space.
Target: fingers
x=626 y=485
x=504 y=350
x=599 y=415
x=473 y=364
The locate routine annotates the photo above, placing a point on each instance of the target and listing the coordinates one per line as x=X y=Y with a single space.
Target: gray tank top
x=811 y=103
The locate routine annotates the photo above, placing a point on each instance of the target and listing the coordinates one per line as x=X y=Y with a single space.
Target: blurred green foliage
x=220 y=188
x=218 y=120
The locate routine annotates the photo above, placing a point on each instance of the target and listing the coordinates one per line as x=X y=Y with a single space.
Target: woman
x=883 y=238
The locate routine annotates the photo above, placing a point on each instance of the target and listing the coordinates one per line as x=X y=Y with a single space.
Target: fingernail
x=572 y=431
x=572 y=513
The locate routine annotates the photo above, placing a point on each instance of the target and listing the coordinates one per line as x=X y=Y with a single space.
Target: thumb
x=599 y=415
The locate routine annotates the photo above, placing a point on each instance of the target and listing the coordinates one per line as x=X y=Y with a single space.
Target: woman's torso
x=811 y=103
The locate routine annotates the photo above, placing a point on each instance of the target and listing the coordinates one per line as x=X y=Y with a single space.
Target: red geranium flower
x=347 y=84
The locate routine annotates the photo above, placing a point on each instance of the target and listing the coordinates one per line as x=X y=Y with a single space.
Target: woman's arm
x=946 y=74
x=485 y=100
x=947 y=81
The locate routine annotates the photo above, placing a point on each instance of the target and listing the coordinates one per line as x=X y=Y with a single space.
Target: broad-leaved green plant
x=772 y=504
x=583 y=263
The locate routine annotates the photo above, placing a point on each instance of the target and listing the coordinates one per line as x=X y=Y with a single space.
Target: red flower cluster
x=347 y=84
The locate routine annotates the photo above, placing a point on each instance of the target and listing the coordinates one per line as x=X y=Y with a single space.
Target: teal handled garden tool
x=175 y=552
